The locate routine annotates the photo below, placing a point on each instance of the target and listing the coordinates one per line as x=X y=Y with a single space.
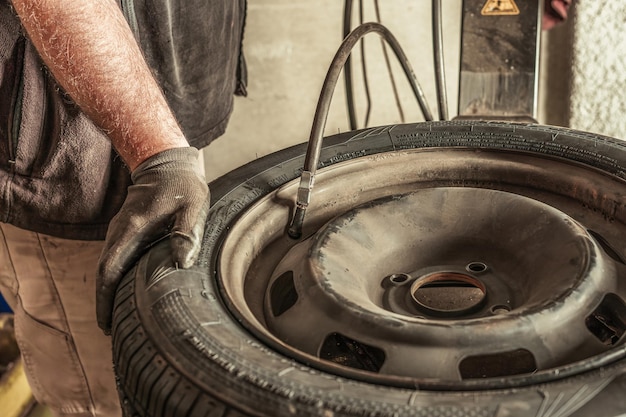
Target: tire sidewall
x=186 y=325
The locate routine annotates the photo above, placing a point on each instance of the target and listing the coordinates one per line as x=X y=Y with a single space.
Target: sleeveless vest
x=59 y=174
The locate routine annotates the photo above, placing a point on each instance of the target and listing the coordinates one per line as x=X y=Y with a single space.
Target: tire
x=180 y=351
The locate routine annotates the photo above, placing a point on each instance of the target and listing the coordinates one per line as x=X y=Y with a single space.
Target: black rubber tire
x=179 y=352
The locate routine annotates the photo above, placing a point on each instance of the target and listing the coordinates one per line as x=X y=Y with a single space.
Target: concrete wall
x=289 y=45
x=598 y=68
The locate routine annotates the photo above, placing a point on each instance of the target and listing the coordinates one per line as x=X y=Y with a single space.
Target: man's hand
x=169 y=194
x=555 y=12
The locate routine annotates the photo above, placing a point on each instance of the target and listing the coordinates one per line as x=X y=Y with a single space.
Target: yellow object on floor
x=16 y=397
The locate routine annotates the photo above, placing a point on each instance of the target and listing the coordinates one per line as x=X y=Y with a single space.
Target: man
x=73 y=82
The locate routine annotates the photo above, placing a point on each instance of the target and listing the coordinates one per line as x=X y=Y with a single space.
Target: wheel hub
x=431 y=278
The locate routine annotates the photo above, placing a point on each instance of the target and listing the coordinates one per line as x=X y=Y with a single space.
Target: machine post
x=500 y=41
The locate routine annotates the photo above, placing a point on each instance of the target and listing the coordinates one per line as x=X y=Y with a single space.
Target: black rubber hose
x=366 y=85
x=394 y=87
x=440 y=77
x=347 y=71
x=321 y=113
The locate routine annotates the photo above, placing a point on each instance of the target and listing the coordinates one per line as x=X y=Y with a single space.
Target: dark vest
x=58 y=172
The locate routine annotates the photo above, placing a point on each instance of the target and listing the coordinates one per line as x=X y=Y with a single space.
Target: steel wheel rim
x=259 y=231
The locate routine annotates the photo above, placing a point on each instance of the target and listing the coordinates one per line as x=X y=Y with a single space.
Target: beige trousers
x=50 y=285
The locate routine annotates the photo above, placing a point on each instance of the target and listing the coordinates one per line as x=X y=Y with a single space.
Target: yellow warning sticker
x=499 y=8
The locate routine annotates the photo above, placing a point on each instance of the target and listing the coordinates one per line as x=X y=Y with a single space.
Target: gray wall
x=598 y=68
x=289 y=45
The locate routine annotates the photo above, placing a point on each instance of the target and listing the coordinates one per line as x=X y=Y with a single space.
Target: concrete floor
x=39 y=411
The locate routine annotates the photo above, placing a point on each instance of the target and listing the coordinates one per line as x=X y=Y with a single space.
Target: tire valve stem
x=302 y=203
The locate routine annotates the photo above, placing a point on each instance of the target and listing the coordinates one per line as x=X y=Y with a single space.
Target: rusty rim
x=527 y=277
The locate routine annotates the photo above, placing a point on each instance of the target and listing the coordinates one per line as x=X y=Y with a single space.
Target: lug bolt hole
x=399 y=279
x=476 y=267
x=500 y=309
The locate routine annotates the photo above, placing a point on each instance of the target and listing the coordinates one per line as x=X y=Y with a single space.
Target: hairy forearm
x=93 y=55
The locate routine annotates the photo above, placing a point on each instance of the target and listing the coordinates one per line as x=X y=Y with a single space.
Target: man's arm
x=90 y=50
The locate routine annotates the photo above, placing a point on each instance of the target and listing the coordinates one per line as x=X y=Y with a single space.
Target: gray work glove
x=169 y=195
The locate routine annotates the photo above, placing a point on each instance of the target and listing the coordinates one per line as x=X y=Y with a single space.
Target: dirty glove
x=169 y=194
